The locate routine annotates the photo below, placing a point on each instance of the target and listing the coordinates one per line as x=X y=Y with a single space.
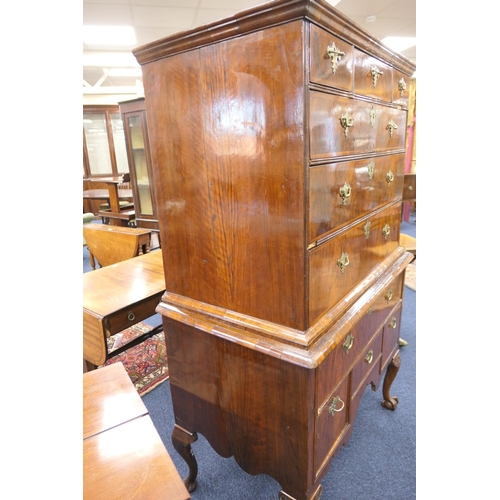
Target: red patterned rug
x=146 y=363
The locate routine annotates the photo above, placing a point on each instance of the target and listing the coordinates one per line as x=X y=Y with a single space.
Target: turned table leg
x=392 y=370
x=182 y=439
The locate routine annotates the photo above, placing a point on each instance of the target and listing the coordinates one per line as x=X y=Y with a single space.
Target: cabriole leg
x=182 y=439
x=392 y=370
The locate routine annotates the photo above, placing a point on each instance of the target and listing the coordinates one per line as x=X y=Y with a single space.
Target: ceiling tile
x=112 y=15
x=163 y=17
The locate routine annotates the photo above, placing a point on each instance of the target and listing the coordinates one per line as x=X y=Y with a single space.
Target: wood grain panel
x=229 y=175
x=363 y=81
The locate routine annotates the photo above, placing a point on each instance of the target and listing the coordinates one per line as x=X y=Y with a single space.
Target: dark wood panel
x=372 y=77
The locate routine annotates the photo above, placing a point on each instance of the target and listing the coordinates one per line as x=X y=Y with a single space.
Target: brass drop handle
x=388 y=295
x=369 y=356
x=391 y=127
x=333 y=407
x=131 y=316
x=386 y=230
x=346 y=121
x=335 y=55
x=389 y=177
x=375 y=73
x=343 y=262
x=348 y=342
x=392 y=324
x=345 y=192
x=401 y=86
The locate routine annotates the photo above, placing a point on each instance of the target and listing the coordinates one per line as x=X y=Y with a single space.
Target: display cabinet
x=141 y=175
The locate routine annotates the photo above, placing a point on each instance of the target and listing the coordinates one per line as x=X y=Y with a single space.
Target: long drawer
x=341 y=192
x=342 y=126
x=339 y=264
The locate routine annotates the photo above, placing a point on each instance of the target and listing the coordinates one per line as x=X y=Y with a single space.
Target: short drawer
x=125 y=318
x=339 y=264
x=331 y=60
x=341 y=192
x=372 y=77
x=342 y=126
x=370 y=357
x=331 y=420
x=390 y=341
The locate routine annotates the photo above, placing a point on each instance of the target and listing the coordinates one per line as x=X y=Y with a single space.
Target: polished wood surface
x=112 y=244
x=410 y=187
x=124 y=457
x=117 y=297
x=103 y=194
x=268 y=271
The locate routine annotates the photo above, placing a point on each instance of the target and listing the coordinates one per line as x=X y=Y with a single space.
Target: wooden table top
x=103 y=194
x=136 y=279
x=124 y=457
x=104 y=409
x=118 y=229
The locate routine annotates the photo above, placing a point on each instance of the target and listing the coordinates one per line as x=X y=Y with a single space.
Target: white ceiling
x=155 y=19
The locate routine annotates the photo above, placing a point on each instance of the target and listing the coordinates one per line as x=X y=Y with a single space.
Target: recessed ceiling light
x=399 y=43
x=109 y=35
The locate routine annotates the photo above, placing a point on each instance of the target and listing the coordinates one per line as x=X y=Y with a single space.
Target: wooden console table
x=123 y=455
x=112 y=244
x=117 y=297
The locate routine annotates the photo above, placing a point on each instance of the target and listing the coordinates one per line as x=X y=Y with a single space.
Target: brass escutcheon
x=389 y=177
x=346 y=121
x=388 y=295
x=369 y=357
x=343 y=262
x=367 y=228
x=335 y=55
x=386 y=230
x=401 y=86
x=131 y=316
x=373 y=114
x=392 y=324
x=333 y=407
x=348 y=342
x=391 y=126
x=371 y=169
x=345 y=192
x=375 y=73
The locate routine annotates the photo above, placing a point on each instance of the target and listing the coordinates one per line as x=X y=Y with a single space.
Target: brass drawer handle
x=345 y=192
x=389 y=177
x=348 y=342
x=333 y=407
x=367 y=228
x=401 y=86
x=391 y=126
x=343 y=262
x=371 y=169
x=392 y=324
x=335 y=55
x=386 y=230
x=369 y=356
x=131 y=316
x=388 y=295
x=346 y=121
x=375 y=74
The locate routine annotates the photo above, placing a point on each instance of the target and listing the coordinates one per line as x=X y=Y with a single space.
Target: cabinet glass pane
x=140 y=165
x=120 y=146
x=96 y=137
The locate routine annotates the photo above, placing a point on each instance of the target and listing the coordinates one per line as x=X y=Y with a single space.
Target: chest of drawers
x=277 y=139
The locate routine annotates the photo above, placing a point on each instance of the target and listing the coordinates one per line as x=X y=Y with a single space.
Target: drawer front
x=331 y=420
x=331 y=60
x=344 y=191
x=400 y=88
x=372 y=77
x=390 y=341
x=342 y=126
x=338 y=265
x=409 y=187
x=370 y=358
x=125 y=318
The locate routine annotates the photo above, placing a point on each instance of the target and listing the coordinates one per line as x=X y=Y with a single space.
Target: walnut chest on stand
x=278 y=144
